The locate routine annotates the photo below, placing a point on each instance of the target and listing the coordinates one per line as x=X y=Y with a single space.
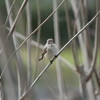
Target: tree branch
x=93 y=63
x=54 y=58
x=14 y=23
x=30 y=36
x=73 y=45
x=9 y=13
x=71 y=66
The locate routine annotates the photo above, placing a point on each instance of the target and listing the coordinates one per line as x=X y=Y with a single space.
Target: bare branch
x=29 y=60
x=9 y=13
x=17 y=17
x=18 y=62
x=41 y=47
x=1 y=91
x=30 y=36
x=73 y=45
x=14 y=23
x=22 y=37
x=97 y=78
x=86 y=35
x=79 y=32
x=54 y=58
x=60 y=81
x=72 y=67
x=93 y=63
x=38 y=37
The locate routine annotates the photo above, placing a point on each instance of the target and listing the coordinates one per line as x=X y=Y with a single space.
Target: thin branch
x=29 y=60
x=78 y=26
x=38 y=36
x=14 y=41
x=41 y=47
x=72 y=67
x=73 y=45
x=14 y=23
x=86 y=36
x=17 y=17
x=9 y=13
x=93 y=63
x=38 y=77
x=60 y=81
x=97 y=78
x=34 y=43
x=1 y=91
x=20 y=36
x=79 y=32
x=97 y=91
x=86 y=44
x=30 y=36
x=54 y=58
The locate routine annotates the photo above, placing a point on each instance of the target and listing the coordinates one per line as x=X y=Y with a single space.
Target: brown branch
x=17 y=17
x=14 y=23
x=29 y=57
x=9 y=13
x=38 y=36
x=97 y=77
x=60 y=81
x=86 y=35
x=40 y=46
x=93 y=63
x=73 y=45
x=54 y=58
x=97 y=91
x=30 y=36
x=18 y=59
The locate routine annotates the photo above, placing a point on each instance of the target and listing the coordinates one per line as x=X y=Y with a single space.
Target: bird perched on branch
x=50 y=50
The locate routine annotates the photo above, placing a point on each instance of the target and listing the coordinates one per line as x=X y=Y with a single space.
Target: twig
x=79 y=32
x=17 y=17
x=34 y=43
x=29 y=60
x=72 y=67
x=97 y=77
x=93 y=63
x=30 y=36
x=73 y=45
x=14 y=23
x=1 y=91
x=41 y=47
x=78 y=26
x=18 y=64
x=54 y=58
x=60 y=81
x=89 y=86
x=86 y=36
x=9 y=13
x=38 y=36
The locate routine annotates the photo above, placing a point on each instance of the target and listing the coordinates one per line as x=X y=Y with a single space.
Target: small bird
x=50 y=50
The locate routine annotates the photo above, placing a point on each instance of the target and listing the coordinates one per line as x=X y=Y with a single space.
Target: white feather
x=51 y=50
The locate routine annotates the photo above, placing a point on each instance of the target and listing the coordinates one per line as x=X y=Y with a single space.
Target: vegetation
x=25 y=25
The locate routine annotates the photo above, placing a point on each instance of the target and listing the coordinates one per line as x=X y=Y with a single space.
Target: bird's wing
x=43 y=53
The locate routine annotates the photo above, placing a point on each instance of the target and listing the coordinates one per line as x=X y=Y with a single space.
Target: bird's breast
x=51 y=51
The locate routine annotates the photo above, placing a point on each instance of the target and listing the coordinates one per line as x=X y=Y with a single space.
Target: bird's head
x=50 y=41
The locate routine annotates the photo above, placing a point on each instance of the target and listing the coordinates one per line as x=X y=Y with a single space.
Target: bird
x=49 y=51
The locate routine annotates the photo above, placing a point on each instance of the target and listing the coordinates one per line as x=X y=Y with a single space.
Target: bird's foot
x=50 y=61
x=55 y=56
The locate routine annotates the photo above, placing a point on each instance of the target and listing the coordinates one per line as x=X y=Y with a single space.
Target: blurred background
x=64 y=80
